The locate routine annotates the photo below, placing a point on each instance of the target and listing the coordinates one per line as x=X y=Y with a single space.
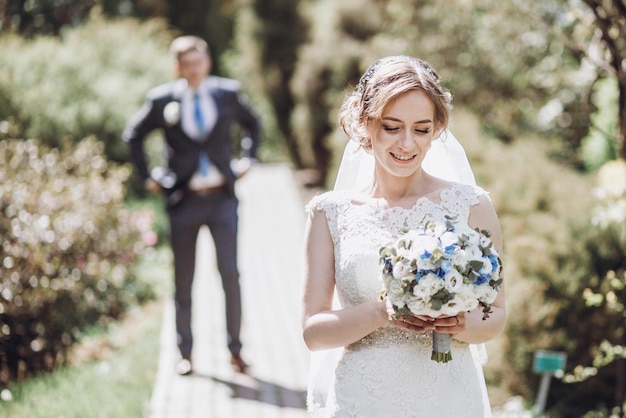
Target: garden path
x=272 y=222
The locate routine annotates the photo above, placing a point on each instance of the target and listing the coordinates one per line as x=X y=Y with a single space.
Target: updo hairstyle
x=383 y=81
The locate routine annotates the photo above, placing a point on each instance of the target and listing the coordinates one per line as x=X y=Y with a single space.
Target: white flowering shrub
x=67 y=252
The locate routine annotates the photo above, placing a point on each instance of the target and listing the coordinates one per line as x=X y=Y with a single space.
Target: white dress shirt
x=213 y=178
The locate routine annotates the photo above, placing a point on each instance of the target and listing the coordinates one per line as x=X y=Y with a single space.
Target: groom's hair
x=184 y=44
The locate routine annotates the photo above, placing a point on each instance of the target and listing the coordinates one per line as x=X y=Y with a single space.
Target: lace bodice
x=374 y=373
x=359 y=230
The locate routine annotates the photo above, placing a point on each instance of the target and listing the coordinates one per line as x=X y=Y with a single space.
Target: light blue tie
x=197 y=113
x=203 y=164
x=203 y=160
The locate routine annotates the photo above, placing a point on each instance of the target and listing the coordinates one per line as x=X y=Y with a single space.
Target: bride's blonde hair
x=384 y=80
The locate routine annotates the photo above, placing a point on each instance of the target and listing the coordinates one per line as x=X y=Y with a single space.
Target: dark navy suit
x=188 y=210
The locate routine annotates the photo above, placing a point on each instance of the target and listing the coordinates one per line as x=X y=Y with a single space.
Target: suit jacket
x=161 y=110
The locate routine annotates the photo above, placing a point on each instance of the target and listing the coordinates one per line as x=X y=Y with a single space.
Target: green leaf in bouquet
x=437 y=257
x=495 y=283
x=476 y=265
x=436 y=304
x=486 y=309
x=450 y=221
x=404 y=311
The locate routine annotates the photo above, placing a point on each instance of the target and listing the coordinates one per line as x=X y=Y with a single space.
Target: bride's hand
x=411 y=323
x=449 y=324
x=444 y=324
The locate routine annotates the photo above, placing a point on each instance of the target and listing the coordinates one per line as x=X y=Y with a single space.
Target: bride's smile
x=403 y=157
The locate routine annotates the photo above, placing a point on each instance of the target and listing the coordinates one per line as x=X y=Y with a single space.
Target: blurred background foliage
x=84 y=83
x=540 y=96
x=68 y=250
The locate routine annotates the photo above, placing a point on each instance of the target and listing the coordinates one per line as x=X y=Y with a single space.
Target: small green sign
x=549 y=361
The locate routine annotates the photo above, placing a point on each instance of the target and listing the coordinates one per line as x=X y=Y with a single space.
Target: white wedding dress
x=389 y=373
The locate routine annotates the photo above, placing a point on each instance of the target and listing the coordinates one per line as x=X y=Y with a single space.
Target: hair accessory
x=374 y=67
x=366 y=77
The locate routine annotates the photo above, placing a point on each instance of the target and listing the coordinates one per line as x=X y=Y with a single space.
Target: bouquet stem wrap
x=442 y=351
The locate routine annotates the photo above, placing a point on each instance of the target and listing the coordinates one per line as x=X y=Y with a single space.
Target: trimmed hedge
x=68 y=250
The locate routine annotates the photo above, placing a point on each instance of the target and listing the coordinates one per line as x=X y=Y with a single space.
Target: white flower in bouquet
x=467 y=303
x=396 y=290
x=448 y=238
x=474 y=253
x=453 y=281
x=488 y=296
x=441 y=269
x=431 y=283
x=416 y=304
x=402 y=270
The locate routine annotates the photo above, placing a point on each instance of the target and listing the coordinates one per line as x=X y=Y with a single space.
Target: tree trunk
x=621 y=131
x=280 y=34
x=283 y=104
x=610 y=21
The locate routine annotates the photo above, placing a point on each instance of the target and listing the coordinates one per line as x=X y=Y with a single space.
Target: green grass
x=119 y=384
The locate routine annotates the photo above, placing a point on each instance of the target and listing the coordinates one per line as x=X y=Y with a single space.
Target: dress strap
x=459 y=199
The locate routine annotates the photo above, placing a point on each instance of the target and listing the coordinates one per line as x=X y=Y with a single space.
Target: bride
x=406 y=167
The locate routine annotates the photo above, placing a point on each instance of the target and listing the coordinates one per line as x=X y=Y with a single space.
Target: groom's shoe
x=183 y=367
x=238 y=364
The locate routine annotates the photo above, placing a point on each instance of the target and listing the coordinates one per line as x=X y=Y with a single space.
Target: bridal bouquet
x=440 y=269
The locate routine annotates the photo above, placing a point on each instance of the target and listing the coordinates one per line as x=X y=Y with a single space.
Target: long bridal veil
x=445 y=159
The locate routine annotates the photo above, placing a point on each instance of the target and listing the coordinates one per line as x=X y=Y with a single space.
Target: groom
x=196 y=113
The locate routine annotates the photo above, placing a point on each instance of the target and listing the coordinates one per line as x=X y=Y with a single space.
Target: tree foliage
x=563 y=269
x=66 y=87
x=268 y=39
x=596 y=345
x=537 y=83
x=542 y=80
x=37 y=17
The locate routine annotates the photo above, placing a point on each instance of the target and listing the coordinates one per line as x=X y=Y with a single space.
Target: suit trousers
x=218 y=211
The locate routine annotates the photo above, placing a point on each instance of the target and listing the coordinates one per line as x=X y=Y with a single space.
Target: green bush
x=68 y=250
x=600 y=145
x=564 y=271
x=596 y=344
x=89 y=81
